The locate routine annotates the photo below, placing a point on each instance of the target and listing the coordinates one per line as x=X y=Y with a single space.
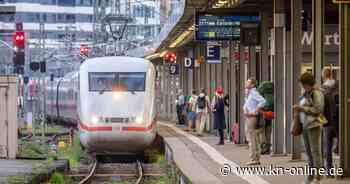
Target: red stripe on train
x=94 y=128
x=140 y=129
x=109 y=128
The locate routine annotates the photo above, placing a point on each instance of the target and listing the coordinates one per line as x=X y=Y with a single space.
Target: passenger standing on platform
x=202 y=111
x=311 y=103
x=180 y=106
x=253 y=105
x=330 y=130
x=218 y=108
x=192 y=111
x=266 y=90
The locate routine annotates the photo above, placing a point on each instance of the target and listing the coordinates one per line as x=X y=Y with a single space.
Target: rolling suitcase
x=235 y=133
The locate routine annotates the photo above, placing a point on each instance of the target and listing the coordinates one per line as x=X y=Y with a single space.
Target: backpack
x=330 y=106
x=201 y=102
x=266 y=90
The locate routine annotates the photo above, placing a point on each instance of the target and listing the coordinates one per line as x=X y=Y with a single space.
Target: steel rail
x=88 y=178
x=140 y=172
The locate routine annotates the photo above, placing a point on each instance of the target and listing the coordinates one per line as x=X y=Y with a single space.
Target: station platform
x=29 y=171
x=203 y=162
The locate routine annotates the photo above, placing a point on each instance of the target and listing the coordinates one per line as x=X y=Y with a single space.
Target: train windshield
x=132 y=81
x=111 y=81
x=101 y=81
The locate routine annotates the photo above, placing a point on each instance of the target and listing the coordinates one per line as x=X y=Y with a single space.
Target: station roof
x=183 y=30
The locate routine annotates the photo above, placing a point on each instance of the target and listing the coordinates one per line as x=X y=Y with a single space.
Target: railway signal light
x=18 y=59
x=19 y=40
x=170 y=57
x=42 y=66
x=34 y=66
x=84 y=50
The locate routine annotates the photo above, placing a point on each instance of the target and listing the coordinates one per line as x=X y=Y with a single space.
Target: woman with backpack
x=218 y=108
x=310 y=109
x=202 y=106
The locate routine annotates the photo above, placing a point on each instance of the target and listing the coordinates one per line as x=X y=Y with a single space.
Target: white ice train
x=112 y=99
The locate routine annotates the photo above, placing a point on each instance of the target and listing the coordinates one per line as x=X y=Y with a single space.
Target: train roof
x=110 y=61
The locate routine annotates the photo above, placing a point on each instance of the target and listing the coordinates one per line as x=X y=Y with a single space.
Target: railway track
x=131 y=171
x=91 y=174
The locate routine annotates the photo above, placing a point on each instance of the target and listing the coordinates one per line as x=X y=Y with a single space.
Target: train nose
x=117 y=142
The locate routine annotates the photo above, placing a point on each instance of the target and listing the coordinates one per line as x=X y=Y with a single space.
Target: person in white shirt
x=253 y=105
x=202 y=109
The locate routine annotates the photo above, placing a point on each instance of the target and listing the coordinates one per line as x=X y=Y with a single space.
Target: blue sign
x=211 y=27
x=188 y=62
x=174 y=69
x=213 y=53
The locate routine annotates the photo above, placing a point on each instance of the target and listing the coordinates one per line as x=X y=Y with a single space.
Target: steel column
x=317 y=42
x=344 y=50
x=252 y=63
x=296 y=59
x=278 y=138
x=241 y=93
x=264 y=54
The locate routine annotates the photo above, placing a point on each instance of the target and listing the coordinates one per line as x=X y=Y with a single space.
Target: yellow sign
x=200 y=60
x=341 y=1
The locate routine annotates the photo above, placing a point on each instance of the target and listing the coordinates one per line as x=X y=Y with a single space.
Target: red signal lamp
x=19 y=39
x=84 y=50
x=170 y=57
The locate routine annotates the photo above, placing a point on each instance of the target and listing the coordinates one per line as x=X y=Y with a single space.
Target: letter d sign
x=188 y=62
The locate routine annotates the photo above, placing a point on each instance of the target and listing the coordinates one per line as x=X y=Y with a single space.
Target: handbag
x=322 y=119
x=297 y=127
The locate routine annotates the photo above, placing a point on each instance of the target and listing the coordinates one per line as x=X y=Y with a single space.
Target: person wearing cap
x=253 y=105
x=218 y=108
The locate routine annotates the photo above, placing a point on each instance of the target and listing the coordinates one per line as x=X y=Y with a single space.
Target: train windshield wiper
x=102 y=90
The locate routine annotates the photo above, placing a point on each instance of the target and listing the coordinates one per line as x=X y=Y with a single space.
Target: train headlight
x=116 y=96
x=139 y=119
x=94 y=119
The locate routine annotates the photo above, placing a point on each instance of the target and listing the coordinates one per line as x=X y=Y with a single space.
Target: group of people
x=317 y=110
x=318 y=113
x=194 y=111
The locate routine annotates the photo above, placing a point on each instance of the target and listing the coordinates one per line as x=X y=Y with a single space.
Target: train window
x=99 y=81
x=108 y=81
x=132 y=81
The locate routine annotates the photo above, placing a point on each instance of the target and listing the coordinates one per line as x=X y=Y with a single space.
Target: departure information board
x=220 y=27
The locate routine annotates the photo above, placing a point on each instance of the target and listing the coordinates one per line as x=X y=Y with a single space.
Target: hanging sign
x=174 y=69
x=213 y=53
x=188 y=62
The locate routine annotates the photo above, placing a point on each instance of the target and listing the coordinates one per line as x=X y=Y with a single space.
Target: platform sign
x=341 y=1
x=214 y=27
x=188 y=62
x=174 y=69
x=213 y=53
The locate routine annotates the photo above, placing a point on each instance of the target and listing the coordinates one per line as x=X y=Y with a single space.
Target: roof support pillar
x=265 y=63
x=242 y=73
x=279 y=40
x=344 y=50
x=296 y=60
x=317 y=42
